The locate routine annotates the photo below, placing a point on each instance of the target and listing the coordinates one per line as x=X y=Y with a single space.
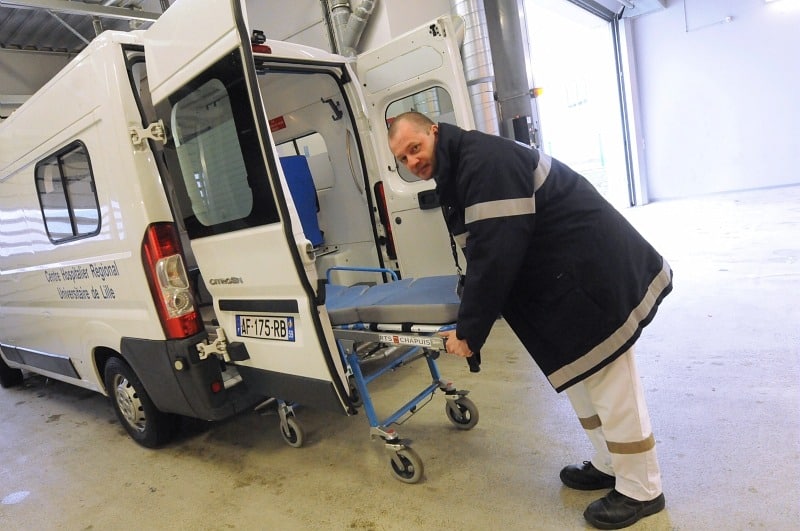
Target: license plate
x=265 y=327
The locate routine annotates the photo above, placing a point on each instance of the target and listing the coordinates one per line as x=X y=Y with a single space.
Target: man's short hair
x=417 y=119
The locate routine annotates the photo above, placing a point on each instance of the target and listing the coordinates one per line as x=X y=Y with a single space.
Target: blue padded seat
x=304 y=195
x=340 y=301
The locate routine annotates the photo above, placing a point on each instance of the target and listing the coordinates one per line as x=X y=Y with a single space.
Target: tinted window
x=65 y=186
x=217 y=177
x=210 y=156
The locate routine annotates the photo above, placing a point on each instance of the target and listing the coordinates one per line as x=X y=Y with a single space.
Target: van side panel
x=62 y=298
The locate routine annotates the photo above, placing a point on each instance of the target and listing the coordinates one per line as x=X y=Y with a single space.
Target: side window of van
x=434 y=102
x=308 y=145
x=67 y=196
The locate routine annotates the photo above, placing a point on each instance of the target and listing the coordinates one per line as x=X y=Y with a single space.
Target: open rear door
x=420 y=71
x=225 y=186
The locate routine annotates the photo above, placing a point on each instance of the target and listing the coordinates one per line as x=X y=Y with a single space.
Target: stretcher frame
x=414 y=342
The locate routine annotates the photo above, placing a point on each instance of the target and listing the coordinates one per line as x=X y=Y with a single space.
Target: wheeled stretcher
x=379 y=328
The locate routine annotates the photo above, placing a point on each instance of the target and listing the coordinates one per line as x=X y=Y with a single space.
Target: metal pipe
x=505 y=23
x=82 y=8
x=339 y=14
x=356 y=24
x=476 y=56
x=348 y=26
x=70 y=28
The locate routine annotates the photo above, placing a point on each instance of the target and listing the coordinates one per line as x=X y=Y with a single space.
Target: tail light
x=169 y=283
x=383 y=215
x=257 y=40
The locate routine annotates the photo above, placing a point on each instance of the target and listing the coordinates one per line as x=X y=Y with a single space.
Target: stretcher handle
x=361 y=269
x=473 y=361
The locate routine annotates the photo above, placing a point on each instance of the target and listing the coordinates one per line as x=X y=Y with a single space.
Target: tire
x=355 y=396
x=145 y=424
x=9 y=377
x=406 y=466
x=293 y=433
x=462 y=413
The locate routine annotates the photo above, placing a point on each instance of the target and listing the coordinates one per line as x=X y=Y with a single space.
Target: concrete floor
x=719 y=363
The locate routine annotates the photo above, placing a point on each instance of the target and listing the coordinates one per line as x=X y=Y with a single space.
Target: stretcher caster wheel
x=355 y=396
x=292 y=433
x=462 y=413
x=406 y=465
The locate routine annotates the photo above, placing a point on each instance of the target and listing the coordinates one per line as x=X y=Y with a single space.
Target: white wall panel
x=719 y=99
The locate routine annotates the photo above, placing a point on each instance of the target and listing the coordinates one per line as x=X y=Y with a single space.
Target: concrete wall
x=718 y=100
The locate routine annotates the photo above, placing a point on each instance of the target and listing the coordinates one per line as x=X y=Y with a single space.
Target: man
x=572 y=278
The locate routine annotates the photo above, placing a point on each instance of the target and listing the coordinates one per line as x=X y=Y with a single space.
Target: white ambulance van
x=171 y=201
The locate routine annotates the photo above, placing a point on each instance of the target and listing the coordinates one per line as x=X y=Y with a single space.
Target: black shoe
x=615 y=510
x=586 y=477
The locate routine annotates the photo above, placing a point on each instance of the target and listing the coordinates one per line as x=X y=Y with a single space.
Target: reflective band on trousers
x=636 y=447
x=591 y=423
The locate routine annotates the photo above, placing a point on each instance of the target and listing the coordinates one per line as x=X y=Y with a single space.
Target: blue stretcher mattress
x=425 y=300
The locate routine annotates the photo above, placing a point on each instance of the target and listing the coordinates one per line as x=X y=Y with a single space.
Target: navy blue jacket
x=574 y=280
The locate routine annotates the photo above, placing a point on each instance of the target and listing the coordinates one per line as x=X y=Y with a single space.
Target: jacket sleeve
x=495 y=184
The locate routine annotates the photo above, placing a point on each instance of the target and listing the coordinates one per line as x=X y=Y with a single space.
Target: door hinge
x=219 y=347
x=155 y=131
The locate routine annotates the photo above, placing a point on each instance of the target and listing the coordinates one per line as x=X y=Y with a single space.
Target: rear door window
x=217 y=176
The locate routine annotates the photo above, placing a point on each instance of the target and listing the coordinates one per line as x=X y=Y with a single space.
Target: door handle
x=428 y=199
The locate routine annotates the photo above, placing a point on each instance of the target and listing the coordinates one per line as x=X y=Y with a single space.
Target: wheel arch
x=101 y=356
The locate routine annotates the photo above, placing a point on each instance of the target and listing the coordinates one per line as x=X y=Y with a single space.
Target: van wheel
x=136 y=412
x=9 y=377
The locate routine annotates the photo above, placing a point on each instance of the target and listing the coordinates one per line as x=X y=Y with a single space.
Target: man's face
x=414 y=148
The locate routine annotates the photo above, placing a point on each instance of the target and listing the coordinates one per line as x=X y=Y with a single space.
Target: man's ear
x=434 y=129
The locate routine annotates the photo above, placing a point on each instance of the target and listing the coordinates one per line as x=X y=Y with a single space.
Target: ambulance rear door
x=225 y=187
x=420 y=71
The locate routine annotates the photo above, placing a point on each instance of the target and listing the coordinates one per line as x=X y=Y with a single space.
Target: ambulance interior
x=322 y=160
x=316 y=140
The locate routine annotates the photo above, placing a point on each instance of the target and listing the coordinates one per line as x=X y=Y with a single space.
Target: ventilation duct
x=476 y=55
x=348 y=25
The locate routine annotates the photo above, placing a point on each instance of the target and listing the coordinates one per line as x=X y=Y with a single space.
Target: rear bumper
x=186 y=391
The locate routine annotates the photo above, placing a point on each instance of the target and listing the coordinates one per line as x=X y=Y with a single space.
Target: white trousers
x=611 y=408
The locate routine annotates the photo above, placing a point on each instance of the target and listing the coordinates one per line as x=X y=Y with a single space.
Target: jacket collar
x=448 y=143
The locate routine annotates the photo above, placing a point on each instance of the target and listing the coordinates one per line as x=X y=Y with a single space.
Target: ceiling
x=67 y=26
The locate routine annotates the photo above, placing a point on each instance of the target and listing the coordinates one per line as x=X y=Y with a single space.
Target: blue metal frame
x=361 y=382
